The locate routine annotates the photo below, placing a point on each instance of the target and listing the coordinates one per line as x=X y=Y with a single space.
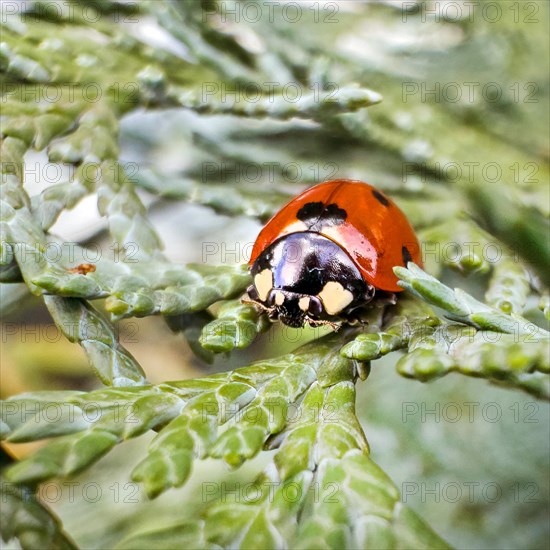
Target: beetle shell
x=364 y=221
x=330 y=248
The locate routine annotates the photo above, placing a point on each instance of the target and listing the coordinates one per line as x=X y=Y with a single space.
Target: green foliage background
x=137 y=125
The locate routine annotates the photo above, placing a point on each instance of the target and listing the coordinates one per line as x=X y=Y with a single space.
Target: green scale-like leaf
x=189 y=409
x=517 y=361
x=78 y=321
x=460 y=306
x=520 y=359
x=25 y=518
x=322 y=475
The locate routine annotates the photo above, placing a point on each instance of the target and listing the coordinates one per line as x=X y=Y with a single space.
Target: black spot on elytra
x=338 y=215
x=316 y=215
x=380 y=197
x=406 y=255
x=310 y=210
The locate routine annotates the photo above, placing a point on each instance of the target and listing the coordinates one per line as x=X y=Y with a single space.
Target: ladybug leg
x=253 y=293
x=384 y=299
x=369 y=294
x=355 y=317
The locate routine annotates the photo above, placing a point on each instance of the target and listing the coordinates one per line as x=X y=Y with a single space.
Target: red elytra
x=375 y=234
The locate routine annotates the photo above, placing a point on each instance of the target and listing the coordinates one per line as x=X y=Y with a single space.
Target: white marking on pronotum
x=279 y=298
x=303 y=303
x=295 y=227
x=335 y=297
x=332 y=232
x=263 y=282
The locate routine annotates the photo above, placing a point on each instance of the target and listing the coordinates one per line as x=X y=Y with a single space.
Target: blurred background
x=464 y=89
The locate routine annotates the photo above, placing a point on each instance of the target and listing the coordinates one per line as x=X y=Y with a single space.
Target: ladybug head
x=291 y=308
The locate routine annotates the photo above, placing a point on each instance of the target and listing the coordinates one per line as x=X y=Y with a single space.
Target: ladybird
x=329 y=252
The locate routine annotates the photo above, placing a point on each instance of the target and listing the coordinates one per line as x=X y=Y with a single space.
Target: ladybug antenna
x=245 y=300
x=317 y=322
